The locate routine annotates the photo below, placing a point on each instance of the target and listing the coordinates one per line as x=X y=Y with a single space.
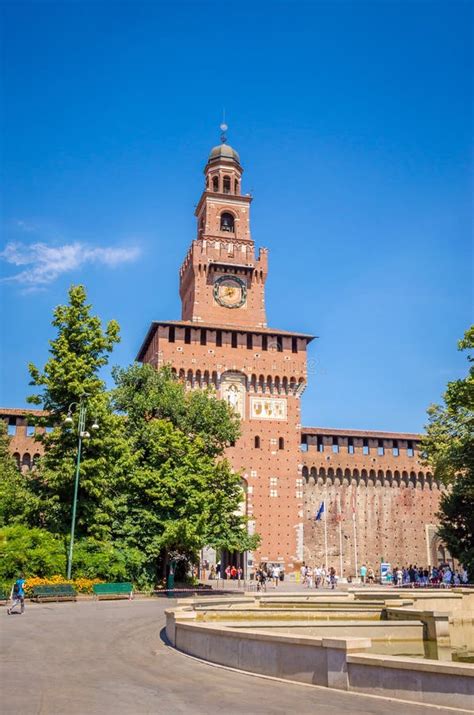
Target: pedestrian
x=303 y=573
x=309 y=576
x=332 y=577
x=261 y=580
x=239 y=573
x=227 y=572
x=17 y=596
x=218 y=570
x=399 y=581
x=317 y=576
x=363 y=573
x=276 y=574
x=233 y=573
x=370 y=575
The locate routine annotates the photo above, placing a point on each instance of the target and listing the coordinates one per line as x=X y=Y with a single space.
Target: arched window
x=226 y=184
x=236 y=187
x=257 y=442
x=281 y=443
x=215 y=183
x=227 y=222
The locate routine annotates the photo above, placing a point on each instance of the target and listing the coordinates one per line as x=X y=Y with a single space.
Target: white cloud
x=46 y=263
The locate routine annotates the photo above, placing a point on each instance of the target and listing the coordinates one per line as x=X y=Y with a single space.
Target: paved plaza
x=110 y=657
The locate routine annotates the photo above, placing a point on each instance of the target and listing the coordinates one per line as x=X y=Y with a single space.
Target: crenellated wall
x=378 y=480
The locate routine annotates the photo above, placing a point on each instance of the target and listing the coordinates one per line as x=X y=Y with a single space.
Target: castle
x=380 y=502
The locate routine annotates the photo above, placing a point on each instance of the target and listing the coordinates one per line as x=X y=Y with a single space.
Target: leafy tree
x=77 y=354
x=182 y=494
x=449 y=448
x=145 y=393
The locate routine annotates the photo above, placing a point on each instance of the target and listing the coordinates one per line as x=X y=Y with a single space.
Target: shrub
x=31 y=551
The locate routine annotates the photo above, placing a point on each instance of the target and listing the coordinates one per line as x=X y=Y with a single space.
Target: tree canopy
x=449 y=448
x=182 y=494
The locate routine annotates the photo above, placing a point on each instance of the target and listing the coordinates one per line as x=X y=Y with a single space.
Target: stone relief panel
x=268 y=408
x=233 y=391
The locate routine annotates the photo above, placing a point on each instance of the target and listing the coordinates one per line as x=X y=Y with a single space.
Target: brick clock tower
x=223 y=340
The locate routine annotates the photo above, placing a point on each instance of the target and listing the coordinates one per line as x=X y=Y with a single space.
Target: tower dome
x=224 y=151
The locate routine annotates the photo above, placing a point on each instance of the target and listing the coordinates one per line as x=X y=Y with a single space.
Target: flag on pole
x=320 y=512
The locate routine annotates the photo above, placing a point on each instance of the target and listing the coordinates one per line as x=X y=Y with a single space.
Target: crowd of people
x=318 y=576
x=230 y=572
x=414 y=575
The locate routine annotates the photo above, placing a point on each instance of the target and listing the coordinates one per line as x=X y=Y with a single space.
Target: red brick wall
x=395 y=499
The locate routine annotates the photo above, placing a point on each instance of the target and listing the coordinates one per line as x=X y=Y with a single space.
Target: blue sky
x=353 y=123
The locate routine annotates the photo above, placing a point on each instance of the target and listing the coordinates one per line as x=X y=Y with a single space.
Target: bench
x=112 y=590
x=54 y=592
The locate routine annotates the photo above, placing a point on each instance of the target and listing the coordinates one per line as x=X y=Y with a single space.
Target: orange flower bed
x=82 y=585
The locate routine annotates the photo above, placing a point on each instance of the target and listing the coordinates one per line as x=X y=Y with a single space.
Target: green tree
x=78 y=352
x=144 y=394
x=182 y=494
x=449 y=449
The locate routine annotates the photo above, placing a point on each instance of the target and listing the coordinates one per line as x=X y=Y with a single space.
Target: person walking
x=261 y=580
x=332 y=577
x=399 y=575
x=303 y=573
x=363 y=573
x=17 y=596
x=276 y=574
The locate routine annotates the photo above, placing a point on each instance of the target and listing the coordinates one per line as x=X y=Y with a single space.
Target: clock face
x=230 y=291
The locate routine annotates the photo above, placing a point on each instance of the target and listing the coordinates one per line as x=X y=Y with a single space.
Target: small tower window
x=227 y=222
x=215 y=183
x=218 y=338
x=249 y=341
x=226 y=184
x=236 y=187
x=257 y=442
x=281 y=443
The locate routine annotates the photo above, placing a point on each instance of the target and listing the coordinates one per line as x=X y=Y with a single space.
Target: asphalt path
x=112 y=657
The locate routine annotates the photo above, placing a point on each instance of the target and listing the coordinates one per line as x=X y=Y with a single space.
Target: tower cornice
x=224 y=198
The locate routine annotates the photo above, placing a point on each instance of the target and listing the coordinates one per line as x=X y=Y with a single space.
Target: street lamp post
x=81 y=434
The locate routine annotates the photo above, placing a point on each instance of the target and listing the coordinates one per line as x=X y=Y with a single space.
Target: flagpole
x=355 y=545
x=341 y=561
x=326 y=534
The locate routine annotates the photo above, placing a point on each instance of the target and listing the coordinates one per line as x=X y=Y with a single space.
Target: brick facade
x=23 y=446
x=378 y=480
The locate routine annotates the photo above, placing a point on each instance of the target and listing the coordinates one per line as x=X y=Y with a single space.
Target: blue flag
x=320 y=512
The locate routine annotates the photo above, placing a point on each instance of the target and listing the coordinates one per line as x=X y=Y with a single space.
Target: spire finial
x=223 y=127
